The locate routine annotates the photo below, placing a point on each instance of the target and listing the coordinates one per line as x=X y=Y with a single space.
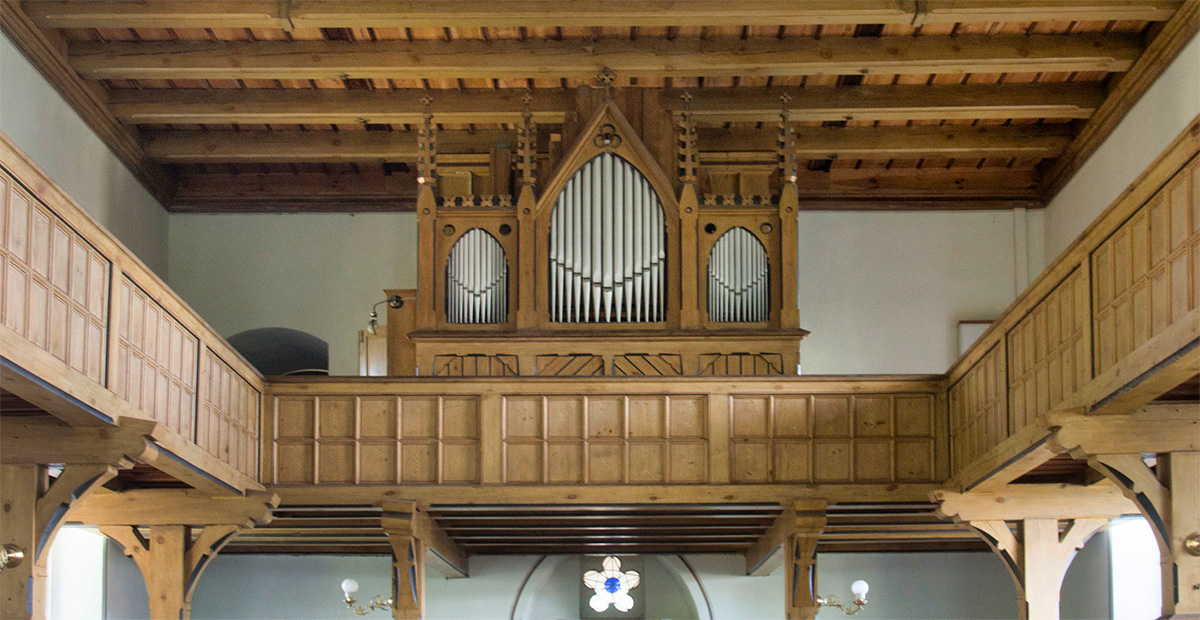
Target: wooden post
x=18 y=503
x=1170 y=501
x=800 y=561
x=408 y=560
x=526 y=220
x=401 y=351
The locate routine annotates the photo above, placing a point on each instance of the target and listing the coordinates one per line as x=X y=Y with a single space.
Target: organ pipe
x=476 y=280
x=607 y=246
x=738 y=282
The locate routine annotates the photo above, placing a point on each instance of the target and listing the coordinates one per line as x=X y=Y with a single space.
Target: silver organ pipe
x=476 y=280
x=738 y=282
x=607 y=246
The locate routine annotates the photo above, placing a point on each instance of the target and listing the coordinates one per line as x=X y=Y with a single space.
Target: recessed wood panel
x=160 y=354
x=54 y=287
x=1145 y=272
x=228 y=418
x=978 y=408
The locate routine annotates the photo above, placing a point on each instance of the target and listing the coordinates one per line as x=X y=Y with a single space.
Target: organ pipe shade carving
x=607 y=246
x=476 y=280
x=738 y=279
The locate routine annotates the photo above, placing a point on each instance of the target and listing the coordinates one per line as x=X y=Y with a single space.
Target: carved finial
x=787 y=144
x=526 y=138
x=687 y=142
x=427 y=144
x=607 y=77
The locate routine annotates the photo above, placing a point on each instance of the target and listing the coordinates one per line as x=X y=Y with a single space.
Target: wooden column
x=408 y=560
x=1169 y=499
x=800 y=561
x=401 y=352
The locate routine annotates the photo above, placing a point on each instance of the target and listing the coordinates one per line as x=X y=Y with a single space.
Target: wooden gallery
x=545 y=310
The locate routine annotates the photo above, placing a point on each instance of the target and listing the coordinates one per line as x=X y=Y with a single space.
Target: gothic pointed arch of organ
x=608 y=260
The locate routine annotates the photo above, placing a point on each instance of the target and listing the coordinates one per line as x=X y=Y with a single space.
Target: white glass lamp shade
x=349 y=586
x=860 y=588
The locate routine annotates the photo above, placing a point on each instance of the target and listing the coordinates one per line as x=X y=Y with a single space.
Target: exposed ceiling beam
x=484 y=13
x=716 y=145
x=1162 y=50
x=838 y=189
x=871 y=103
x=585 y=58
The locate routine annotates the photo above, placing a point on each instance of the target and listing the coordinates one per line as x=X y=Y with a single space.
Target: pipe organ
x=476 y=280
x=607 y=246
x=603 y=261
x=738 y=286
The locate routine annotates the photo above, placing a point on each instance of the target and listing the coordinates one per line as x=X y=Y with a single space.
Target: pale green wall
x=318 y=273
x=34 y=117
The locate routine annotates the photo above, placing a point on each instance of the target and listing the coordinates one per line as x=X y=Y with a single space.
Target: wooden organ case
x=604 y=269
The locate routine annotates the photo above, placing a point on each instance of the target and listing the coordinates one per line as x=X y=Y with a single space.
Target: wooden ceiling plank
x=578 y=13
x=716 y=146
x=865 y=103
x=583 y=59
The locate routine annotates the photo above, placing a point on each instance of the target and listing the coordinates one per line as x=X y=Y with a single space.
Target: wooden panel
x=606 y=439
x=1145 y=273
x=570 y=365
x=227 y=421
x=1049 y=352
x=475 y=366
x=376 y=439
x=832 y=438
x=53 y=283
x=156 y=361
x=979 y=409
x=741 y=364
x=648 y=365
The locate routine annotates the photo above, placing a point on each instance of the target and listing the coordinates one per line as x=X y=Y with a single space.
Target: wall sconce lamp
x=858 y=588
x=393 y=302
x=10 y=556
x=350 y=587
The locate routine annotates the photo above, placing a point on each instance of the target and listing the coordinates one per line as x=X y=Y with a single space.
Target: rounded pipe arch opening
x=476 y=280
x=739 y=278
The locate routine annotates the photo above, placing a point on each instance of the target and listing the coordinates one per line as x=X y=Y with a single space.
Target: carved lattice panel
x=606 y=439
x=648 y=365
x=570 y=365
x=741 y=364
x=475 y=366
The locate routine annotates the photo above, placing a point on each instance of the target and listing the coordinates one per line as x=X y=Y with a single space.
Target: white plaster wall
x=1157 y=119
x=928 y=586
x=40 y=123
x=884 y=292
x=318 y=273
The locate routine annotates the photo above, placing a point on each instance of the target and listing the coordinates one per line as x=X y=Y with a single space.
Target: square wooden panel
x=831 y=461
x=564 y=417
x=378 y=416
x=872 y=416
x=418 y=462
x=688 y=462
x=689 y=416
x=378 y=463
x=751 y=461
x=566 y=463
x=522 y=416
x=914 y=416
x=460 y=462
x=872 y=461
x=750 y=416
x=295 y=417
x=606 y=462
x=646 y=416
x=606 y=416
x=419 y=417
x=792 y=461
x=337 y=416
x=913 y=460
x=646 y=462
x=523 y=462
x=792 y=416
x=460 y=418
x=831 y=416
x=294 y=463
x=337 y=462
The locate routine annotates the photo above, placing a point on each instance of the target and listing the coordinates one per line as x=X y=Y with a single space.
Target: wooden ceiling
x=270 y=105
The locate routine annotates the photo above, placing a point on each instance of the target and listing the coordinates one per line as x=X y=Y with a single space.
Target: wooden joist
x=716 y=145
x=862 y=103
x=484 y=13
x=585 y=58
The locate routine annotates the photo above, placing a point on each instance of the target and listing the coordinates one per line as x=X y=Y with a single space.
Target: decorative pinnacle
x=607 y=77
x=527 y=112
x=785 y=98
x=687 y=102
x=428 y=101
